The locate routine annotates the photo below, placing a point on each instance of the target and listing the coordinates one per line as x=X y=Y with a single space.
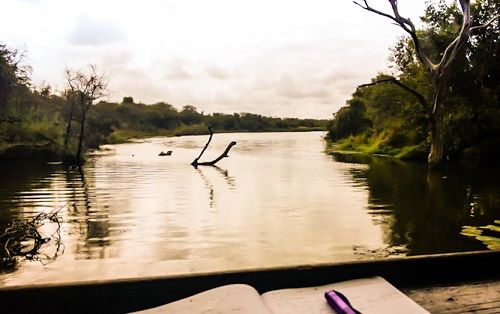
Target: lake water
x=278 y=200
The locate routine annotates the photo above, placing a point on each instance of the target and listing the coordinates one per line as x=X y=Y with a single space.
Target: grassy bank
x=53 y=150
x=484 y=151
x=125 y=135
x=377 y=145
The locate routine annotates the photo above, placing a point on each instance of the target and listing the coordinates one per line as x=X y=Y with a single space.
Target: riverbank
x=39 y=151
x=355 y=145
x=44 y=151
x=125 y=136
x=486 y=151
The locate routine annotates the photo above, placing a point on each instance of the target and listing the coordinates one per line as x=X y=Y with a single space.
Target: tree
x=434 y=103
x=70 y=96
x=128 y=100
x=86 y=87
x=189 y=115
x=13 y=74
x=349 y=120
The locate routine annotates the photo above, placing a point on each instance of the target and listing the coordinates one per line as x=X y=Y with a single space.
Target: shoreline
x=47 y=151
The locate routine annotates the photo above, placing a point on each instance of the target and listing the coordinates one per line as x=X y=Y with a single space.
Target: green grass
x=377 y=144
x=125 y=135
x=193 y=129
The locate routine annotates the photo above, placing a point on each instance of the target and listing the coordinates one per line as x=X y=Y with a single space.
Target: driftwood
x=168 y=153
x=22 y=239
x=195 y=162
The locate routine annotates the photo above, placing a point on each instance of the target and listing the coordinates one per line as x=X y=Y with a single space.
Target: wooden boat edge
x=124 y=295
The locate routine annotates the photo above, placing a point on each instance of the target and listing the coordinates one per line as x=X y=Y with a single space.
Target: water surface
x=278 y=200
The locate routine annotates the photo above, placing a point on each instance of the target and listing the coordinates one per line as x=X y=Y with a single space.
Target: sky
x=295 y=58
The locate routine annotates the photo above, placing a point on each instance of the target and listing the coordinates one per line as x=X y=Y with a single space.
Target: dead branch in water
x=195 y=162
x=22 y=239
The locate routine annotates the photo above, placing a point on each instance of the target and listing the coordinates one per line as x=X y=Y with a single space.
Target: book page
x=371 y=295
x=240 y=299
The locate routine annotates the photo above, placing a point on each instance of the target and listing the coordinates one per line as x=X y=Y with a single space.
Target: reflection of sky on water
x=277 y=200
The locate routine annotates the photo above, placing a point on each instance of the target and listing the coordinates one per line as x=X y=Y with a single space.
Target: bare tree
x=434 y=106
x=85 y=88
x=70 y=96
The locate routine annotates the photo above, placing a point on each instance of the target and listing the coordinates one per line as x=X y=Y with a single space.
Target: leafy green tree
x=128 y=100
x=189 y=115
x=438 y=72
x=13 y=74
x=349 y=120
x=472 y=111
x=101 y=123
x=163 y=116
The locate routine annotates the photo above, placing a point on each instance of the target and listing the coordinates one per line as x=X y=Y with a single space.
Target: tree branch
x=223 y=155
x=452 y=50
x=421 y=99
x=368 y=8
x=473 y=28
x=195 y=162
x=407 y=25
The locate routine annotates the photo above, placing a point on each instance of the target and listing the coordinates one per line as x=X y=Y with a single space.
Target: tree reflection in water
x=425 y=211
x=37 y=226
x=225 y=174
x=92 y=220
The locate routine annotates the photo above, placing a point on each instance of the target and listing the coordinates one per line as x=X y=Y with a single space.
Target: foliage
x=349 y=120
x=489 y=235
x=13 y=74
x=395 y=122
x=33 y=119
x=27 y=115
x=115 y=122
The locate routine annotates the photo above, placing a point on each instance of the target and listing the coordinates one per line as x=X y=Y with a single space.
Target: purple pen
x=339 y=303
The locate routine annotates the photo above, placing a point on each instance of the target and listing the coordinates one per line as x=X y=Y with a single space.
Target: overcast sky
x=295 y=58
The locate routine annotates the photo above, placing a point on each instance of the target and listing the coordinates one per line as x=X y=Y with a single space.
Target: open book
x=371 y=295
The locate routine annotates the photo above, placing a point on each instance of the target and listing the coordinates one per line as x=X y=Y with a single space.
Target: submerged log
x=196 y=162
x=223 y=155
x=168 y=153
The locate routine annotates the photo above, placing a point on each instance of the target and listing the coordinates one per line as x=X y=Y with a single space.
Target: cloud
x=217 y=72
x=341 y=75
x=177 y=70
x=117 y=58
x=92 y=32
x=31 y=1
x=136 y=82
x=307 y=65
x=289 y=88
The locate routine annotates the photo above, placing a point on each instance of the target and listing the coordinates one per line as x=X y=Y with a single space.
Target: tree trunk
x=436 y=123
x=80 y=139
x=68 y=129
x=436 y=153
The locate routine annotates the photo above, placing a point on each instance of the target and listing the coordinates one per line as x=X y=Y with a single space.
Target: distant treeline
x=114 y=122
x=34 y=121
x=387 y=119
